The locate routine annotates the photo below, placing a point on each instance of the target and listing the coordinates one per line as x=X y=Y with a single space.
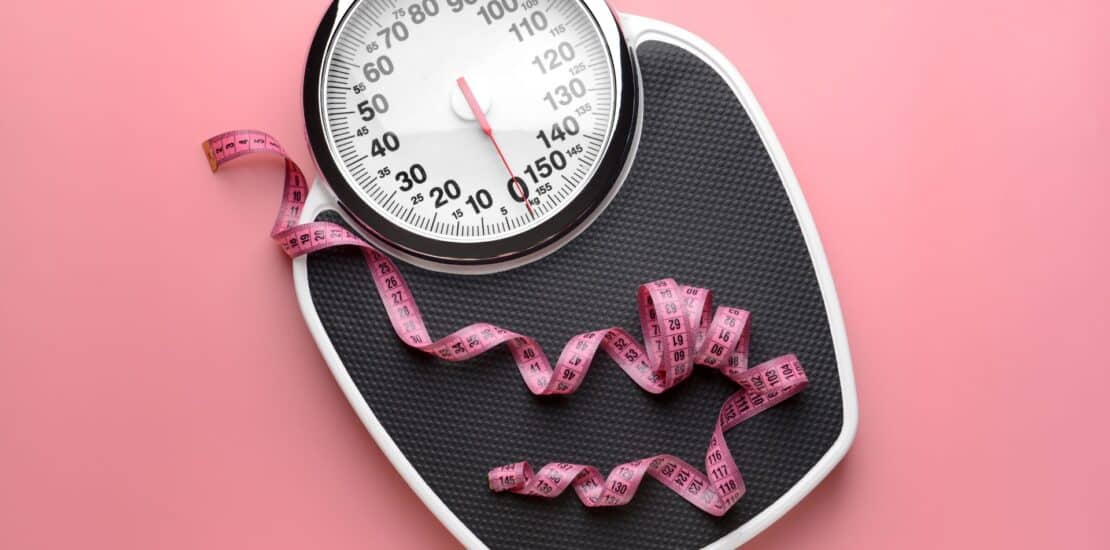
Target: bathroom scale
x=530 y=163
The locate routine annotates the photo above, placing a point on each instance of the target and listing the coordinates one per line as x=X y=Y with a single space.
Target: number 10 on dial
x=471 y=132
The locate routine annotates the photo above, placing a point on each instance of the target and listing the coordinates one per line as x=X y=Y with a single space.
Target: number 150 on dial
x=471 y=131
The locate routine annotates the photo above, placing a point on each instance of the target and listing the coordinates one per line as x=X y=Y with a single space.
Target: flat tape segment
x=730 y=227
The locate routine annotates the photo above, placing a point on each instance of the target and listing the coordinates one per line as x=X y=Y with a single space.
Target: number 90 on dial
x=471 y=133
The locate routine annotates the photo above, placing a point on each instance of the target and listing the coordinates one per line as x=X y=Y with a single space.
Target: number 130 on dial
x=472 y=132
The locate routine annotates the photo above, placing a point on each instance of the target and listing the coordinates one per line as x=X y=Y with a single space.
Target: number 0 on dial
x=504 y=168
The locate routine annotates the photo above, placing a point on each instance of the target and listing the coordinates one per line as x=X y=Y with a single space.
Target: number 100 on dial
x=471 y=131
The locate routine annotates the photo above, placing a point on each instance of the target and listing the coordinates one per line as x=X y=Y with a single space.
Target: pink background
x=158 y=388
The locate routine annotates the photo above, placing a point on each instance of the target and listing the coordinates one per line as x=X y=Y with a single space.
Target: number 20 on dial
x=471 y=132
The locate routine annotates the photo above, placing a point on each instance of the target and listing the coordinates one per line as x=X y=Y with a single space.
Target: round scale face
x=467 y=121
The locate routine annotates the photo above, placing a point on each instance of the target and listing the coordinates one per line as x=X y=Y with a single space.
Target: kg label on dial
x=471 y=131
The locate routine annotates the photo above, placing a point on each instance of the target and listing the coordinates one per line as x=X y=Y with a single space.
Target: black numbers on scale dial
x=524 y=19
x=418 y=12
x=396 y=32
x=554 y=58
x=480 y=201
x=389 y=142
x=371 y=108
x=565 y=94
x=378 y=69
x=413 y=176
x=544 y=167
x=559 y=131
x=518 y=190
x=494 y=10
x=529 y=26
x=441 y=195
x=449 y=191
x=458 y=5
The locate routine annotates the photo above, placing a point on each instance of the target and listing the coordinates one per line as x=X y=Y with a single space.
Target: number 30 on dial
x=472 y=135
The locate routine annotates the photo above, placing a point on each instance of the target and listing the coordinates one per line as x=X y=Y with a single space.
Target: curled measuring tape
x=678 y=328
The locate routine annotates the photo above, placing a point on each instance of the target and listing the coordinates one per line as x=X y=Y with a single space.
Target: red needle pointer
x=484 y=123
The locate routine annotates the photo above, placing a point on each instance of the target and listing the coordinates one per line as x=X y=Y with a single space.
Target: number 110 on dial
x=471 y=121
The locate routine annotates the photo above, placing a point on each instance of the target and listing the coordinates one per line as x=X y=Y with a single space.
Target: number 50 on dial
x=500 y=171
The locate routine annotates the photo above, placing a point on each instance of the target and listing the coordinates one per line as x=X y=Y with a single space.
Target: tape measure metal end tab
x=212 y=162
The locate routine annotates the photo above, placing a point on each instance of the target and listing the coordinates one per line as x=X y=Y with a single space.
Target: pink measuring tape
x=678 y=329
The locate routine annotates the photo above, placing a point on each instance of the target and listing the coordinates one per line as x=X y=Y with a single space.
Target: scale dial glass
x=409 y=146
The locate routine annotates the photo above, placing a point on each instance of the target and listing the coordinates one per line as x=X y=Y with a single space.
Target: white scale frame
x=637 y=30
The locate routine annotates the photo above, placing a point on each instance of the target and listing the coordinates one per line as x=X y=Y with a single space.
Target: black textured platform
x=734 y=231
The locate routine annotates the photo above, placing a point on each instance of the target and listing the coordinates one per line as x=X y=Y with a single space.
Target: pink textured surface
x=158 y=389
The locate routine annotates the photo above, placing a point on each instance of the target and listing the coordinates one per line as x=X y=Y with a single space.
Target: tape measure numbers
x=679 y=331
